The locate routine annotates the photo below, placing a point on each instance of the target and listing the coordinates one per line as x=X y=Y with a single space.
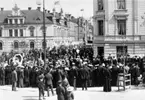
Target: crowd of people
x=67 y=67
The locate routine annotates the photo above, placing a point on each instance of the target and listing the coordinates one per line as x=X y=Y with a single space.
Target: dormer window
x=16 y=21
x=21 y=21
x=10 y=21
x=31 y=28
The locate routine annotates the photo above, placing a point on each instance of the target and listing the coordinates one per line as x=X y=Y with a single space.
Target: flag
x=56 y=3
x=82 y=9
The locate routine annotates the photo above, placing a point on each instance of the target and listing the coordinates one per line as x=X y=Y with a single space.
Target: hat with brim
x=70 y=89
x=90 y=65
x=96 y=65
x=59 y=82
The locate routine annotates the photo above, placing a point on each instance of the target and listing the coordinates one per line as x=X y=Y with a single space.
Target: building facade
x=119 y=27
x=23 y=29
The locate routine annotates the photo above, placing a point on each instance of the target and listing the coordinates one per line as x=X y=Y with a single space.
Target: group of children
x=63 y=90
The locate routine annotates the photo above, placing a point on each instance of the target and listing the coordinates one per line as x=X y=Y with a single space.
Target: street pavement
x=135 y=93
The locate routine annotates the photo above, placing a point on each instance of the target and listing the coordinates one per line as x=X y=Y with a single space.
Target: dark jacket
x=84 y=73
x=48 y=79
x=60 y=91
x=14 y=76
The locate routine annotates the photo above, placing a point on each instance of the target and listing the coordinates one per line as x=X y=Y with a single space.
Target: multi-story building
x=23 y=29
x=119 y=27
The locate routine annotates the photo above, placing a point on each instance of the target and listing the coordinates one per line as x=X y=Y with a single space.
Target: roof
x=32 y=16
x=3 y=15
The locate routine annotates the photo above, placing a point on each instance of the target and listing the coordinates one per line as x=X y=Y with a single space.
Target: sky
x=69 y=6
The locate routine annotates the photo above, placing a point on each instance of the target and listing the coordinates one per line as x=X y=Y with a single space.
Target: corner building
x=119 y=27
x=23 y=29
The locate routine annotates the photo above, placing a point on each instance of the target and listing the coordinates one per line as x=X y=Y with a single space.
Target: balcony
x=120 y=14
x=122 y=38
x=100 y=14
x=119 y=39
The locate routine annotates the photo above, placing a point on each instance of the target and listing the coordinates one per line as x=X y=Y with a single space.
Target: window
x=100 y=51
x=122 y=27
x=100 y=5
x=16 y=33
x=42 y=29
x=100 y=27
x=10 y=21
x=32 y=45
x=121 y=4
x=121 y=50
x=0 y=32
x=10 y=32
x=16 y=21
x=21 y=21
x=16 y=45
x=21 y=32
x=31 y=28
x=1 y=46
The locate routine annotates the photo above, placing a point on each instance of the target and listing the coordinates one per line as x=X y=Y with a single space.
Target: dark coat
x=114 y=74
x=100 y=75
x=84 y=73
x=2 y=73
x=40 y=81
x=26 y=75
x=107 y=80
x=14 y=76
x=48 y=79
x=60 y=91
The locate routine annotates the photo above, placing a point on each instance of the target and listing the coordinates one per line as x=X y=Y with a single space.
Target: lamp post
x=44 y=31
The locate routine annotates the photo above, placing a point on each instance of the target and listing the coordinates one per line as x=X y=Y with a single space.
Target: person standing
x=2 y=76
x=107 y=79
x=60 y=91
x=48 y=82
x=14 y=79
x=84 y=75
x=40 y=81
x=114 y=75
x=21 y=78
x=26 y=77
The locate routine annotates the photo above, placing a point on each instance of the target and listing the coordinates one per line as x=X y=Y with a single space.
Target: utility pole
x=44 y=33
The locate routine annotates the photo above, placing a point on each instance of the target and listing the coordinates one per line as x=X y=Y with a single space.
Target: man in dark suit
x=84 y=75
x=107 y=79
x=114 y=75
x=26 y=76
x=2 y=76
x=48 y=82
x=14 y=79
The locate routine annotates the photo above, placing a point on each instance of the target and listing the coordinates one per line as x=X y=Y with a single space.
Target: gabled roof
x=3 y=15
x=31 y=16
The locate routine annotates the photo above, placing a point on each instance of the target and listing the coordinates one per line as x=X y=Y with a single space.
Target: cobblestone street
x=91 y=94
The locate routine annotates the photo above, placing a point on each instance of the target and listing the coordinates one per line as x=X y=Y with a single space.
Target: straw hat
x=70 y=89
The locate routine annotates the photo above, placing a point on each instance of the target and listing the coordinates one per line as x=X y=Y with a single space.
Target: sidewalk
x=94 y=93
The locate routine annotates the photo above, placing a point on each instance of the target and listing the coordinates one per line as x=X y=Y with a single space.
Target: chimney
x=29 y=8
x=38 y=8
x=2 y=9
